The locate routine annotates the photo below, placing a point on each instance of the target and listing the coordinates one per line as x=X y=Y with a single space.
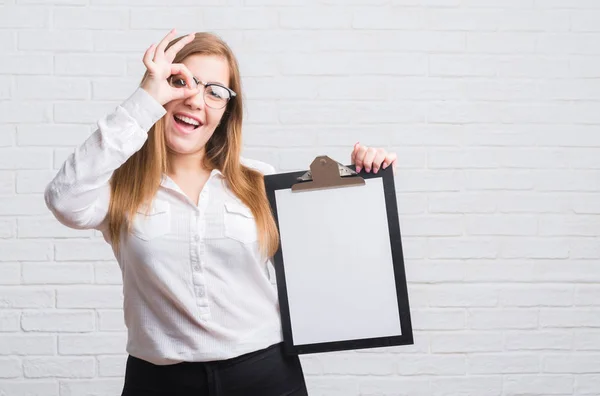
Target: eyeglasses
x=216 y=96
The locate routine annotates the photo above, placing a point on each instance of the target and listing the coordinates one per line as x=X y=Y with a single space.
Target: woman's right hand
x=160 y=67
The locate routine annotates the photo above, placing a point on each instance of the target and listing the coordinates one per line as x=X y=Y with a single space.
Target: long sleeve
x=79 y=194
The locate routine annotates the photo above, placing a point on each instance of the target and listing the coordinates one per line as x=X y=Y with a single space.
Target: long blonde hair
x=137 y=180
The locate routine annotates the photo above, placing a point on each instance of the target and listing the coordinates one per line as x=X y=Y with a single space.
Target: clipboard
x=339 y=267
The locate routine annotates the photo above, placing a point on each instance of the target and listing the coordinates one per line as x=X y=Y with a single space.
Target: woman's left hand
x=368 y=158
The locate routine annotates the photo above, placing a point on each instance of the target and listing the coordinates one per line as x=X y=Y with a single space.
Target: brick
x=35 y=87
x=10 y=368
x=27 y=344
x=584 y=66
x=464 y=19
x=530 y=247
x=10 y=273
x=584 y=248
x=508 y=363
x=111 y=320
x=569 y=225
x=90 y=18
x=462 y=65
x=434 y=272
x=380 y=386
x=440 y=225
x=461 y=202
x=462 y=248
x=90 y=65
x=47 y=227
x=100 y=387
x=58 y=321
x=90 y=297
x=10 y=321
x=13 y=297
x=24 y=17
x=26 y=250
x=29 y=387
x=501 y=42
x=113 y=89
x=34 y=181
x=466 y=342
x=25 y=112
x=7 y=135
x=329 y=18
x=5 y=87
x=336 y=64
x=57 y=40
x=107 y=273
x=481 y=385
x=240 y=18
x=92 y=344
x=57 y=273
x=53 y=2
x=515 y=385
x=587 y=340
x=587 y=295
x=52 y=135
x=26 y=205
x=8 y=40
x=535 y=21
x=389 y=18
x=347 y=364
x=569 y=364
x=536 y=296
x=157 y=18
x=112 y=366
x=437 y=365
x=59 y=367
x=568 y=43
x=490 y=319
x=538 y=340
x=587 y=384
x=82 y=112
x=429 y=181
x=463 y=296
x=569 y=318
x=501 y=225
x=25 y=158
x=532 y=202
x=83 y=250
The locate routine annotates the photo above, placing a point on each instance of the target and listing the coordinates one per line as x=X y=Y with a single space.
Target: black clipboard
x=300 y=336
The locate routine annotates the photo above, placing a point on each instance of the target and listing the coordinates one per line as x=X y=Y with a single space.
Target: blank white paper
x=338 y=263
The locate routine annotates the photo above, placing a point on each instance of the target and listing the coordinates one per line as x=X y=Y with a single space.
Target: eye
x=177 y=81
x=218 y=92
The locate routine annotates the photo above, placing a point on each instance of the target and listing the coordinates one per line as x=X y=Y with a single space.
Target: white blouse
x=194 y=285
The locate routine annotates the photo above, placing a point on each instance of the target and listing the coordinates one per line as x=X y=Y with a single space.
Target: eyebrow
x=211 y=82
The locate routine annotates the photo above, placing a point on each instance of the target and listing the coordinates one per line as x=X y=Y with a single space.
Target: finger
x=175 y=48
x=160 y=48
x=180 y=68
x=378 y=160
x=148 y=55
x=354 y=151
x=369 y=157
x=390 y=159
x=359 y=157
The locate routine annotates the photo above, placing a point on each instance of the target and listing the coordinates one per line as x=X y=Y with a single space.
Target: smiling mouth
x=186 y=123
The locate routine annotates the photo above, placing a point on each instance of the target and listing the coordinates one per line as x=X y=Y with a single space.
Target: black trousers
x=268 y=372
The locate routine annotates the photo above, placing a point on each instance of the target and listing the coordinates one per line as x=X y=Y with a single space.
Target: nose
x=195 y=102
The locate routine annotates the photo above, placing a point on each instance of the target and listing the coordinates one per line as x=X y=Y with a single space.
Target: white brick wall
x=492 y=105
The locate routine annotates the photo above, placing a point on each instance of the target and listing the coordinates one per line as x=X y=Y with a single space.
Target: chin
x=185 y=144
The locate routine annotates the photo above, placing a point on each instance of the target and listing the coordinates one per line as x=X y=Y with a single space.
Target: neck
x=187 y=164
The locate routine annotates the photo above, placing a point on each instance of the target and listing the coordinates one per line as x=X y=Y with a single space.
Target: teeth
x=187 y=119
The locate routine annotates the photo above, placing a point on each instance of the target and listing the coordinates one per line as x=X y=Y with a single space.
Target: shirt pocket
x=239 y=223
x=155 y=223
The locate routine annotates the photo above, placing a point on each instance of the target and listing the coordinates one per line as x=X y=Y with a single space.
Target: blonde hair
x=137 y=180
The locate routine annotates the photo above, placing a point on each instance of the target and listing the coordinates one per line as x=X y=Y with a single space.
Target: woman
x=190 y=226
